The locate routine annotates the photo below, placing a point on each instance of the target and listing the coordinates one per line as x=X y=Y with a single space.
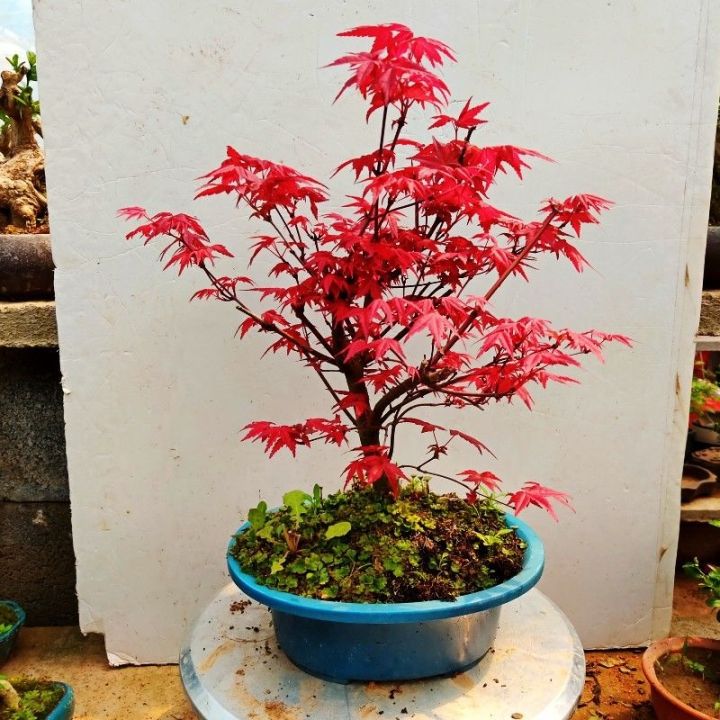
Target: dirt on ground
x=615 y=688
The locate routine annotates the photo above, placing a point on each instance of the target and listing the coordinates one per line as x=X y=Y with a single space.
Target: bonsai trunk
x=22 y=171
x=367 y=427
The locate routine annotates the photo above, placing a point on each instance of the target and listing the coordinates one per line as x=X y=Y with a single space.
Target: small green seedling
x=299 y=503
x=257 y=516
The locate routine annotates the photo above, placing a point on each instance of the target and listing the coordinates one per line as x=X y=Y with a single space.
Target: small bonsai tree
x=23 y=206
x=382 y=300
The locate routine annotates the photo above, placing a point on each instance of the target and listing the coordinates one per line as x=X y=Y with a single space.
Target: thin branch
x=231 y=296
x=300 y=314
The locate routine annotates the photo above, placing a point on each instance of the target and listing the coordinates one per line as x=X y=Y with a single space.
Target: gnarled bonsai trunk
x=23 y=206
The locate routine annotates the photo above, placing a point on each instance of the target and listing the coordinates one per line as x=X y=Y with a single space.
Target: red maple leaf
x=486 y=479
x=533 y=493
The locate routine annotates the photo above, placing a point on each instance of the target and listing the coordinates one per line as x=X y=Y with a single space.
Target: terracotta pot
x=696 y=458
x=26 y=267
x=696 y=482
x=667 y=706
x=698 y=539
x=705 y=435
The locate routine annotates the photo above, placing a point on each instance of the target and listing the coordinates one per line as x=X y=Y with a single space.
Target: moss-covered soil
x=360 y=546
x=7 y=618
x=37 y=700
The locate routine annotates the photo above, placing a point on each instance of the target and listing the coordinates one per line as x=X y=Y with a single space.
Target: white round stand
x=232 y=669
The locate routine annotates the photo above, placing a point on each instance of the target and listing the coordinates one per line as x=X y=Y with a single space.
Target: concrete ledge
x=28 y=324
x=701 y=509
x=707 y=342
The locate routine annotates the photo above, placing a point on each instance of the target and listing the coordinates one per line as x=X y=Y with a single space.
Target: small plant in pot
x=23 y=204
x=12 y=618
x=25 y=699
x=384 y=302
x=684 y=673
x=705 y=412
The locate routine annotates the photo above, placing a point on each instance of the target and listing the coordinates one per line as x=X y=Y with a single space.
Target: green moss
x=7 y=618
x=37 y=700
x=422 y=546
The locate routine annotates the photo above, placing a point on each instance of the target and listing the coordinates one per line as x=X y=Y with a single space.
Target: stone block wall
x=37 y=562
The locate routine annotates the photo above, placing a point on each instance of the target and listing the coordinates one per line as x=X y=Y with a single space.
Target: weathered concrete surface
x=33 y=465
x=28 y=324
x=37 y=563
x=26 y=267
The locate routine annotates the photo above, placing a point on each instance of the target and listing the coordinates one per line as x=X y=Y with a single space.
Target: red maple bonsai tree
x=381 y=300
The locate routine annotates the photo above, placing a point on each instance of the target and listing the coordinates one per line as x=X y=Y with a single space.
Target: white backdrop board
x=141 y=96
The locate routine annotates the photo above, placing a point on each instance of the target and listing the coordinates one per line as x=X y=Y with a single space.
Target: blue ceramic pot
x=7 y=639
x=345 y=642
x=65 y=708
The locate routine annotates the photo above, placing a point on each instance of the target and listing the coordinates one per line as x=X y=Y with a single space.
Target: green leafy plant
x=705 y=404
x=709 y=580
x=27 y=699
x=8 y=618
x=365 y=546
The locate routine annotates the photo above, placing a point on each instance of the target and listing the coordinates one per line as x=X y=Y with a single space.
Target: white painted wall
x=141 y=96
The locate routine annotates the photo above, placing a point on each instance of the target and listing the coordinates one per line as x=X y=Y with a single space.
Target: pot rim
x=19 y=619
x=659 y=649
x=694 y=453
x=710 y=475
x=707 y=428
x=379 y=613
x=63 y=710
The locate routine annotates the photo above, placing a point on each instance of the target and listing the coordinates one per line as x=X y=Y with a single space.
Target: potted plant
x=12 y=618
x=384 y=303
x=684 y=673
x=24 y=699
x=705 y=412
x=26 y=266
